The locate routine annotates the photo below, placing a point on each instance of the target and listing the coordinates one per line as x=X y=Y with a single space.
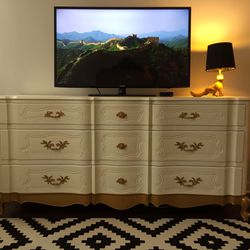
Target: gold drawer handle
x=121 y=181
x=121 y=115
x=55 y=147
x=192 y=115
x=51 y=115
x=121 y=146
x=191 y=148
x=190 y=183
x=60 y=180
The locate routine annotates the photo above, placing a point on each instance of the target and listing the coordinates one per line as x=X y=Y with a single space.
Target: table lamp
x=220 y=57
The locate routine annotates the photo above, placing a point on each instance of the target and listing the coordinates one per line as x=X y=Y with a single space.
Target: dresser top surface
x=123 y=98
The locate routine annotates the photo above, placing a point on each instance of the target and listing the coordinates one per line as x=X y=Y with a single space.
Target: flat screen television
x=133 y=47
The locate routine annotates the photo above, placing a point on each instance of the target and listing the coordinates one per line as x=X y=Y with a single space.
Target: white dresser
x=122 y=151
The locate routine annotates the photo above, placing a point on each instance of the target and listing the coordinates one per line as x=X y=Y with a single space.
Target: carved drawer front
x=196 y=180
x=121 y=145
x=200 y=146
x=120 y=113
x=215 y=115
x=51 y=144
x=4 y=179
x=51 y=179
x=121 y=180
x=37 y=112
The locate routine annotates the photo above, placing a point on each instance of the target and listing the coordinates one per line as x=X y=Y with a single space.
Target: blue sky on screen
x=122 y=21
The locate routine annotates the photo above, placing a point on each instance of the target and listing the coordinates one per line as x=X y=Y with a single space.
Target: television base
x=121 y=95
x=169 y=94
x=122 y=91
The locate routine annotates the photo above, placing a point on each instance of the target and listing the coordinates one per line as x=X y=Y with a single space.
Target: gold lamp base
x=215 y=89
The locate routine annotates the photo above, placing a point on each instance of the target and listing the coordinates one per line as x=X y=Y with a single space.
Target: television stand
x=181 y=152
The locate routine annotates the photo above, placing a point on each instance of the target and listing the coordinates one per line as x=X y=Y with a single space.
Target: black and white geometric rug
x=123 y=234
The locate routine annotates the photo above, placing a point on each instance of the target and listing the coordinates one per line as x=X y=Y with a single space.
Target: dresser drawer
x=121 y=180
x=50 y=144
x=42 y=112
x=121 y=113
x=196 y=114
x=121 y=145
x=51 y=179
x=197 y=180
x=199 y=146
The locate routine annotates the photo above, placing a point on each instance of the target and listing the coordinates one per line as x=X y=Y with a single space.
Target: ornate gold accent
x=55 y=147
x=57 y=115
x=121 y=115
x=190 y=183
x=192 y=116
x=191 y=148
x=60 y=180
x=245 y=205
x=121 y=181
x=121 y=146
x=122 y=201
x=214 y=89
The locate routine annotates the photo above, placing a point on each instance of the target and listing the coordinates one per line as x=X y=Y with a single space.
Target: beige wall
x=27 y=54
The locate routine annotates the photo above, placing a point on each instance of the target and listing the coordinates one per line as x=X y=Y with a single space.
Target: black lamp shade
x=220 y=56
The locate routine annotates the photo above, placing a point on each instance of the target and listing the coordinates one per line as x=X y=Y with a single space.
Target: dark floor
x=14 y=209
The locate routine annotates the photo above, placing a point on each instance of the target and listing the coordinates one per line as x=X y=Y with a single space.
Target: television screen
x=134 y=47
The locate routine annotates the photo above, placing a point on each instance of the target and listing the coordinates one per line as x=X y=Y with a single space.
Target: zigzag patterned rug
x=123 y=234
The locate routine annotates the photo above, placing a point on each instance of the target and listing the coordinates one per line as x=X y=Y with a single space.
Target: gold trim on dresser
x=52 y=181
x=121 y=146
x=55 y=147
x=189 y=200
x=121 y=181
x=189 y=148
x=190 y=183
x=192 y=115
x=54 y=199
x=121 y=201
x=121 y=115
x=50 y=114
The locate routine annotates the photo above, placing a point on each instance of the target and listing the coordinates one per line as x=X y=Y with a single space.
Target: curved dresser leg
x=1 y=208
x=245 y=205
